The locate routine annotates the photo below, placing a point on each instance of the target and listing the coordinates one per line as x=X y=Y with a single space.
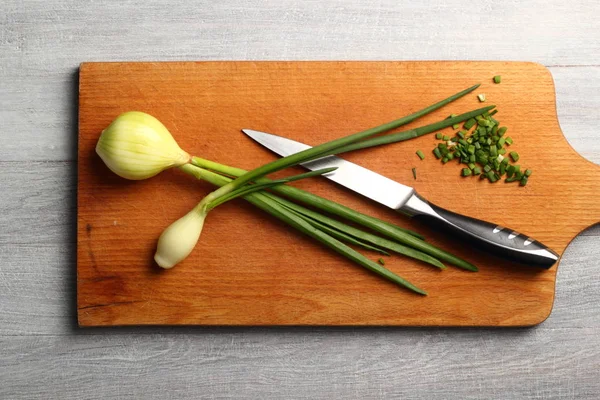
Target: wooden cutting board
x=250 y=269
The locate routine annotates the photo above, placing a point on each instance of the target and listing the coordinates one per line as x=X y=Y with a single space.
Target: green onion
x=394 y=232
x=315 y=201
x=274 y=208
x=245 y=190
x=523 y=181
x=446 y=138
x=178 y=240
x=514 y=155
x=469 y=124
x=359 y=234
x=437 y=153
x=333 y=147
x=405 y=135
x=438 y=136
x=476 y=170
x=420 y=154
x=502 y=169
x=343 y=237
x=414 y=172
x=497 y=79
x=381 y=261
x=510 y=171
x=481 y=97
x=466 y=172
x=528 y=172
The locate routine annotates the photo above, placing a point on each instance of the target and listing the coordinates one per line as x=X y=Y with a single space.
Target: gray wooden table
x=44 y=355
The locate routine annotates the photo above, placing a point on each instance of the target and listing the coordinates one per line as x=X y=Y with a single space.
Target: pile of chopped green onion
x=482 y=146
x=137 y=146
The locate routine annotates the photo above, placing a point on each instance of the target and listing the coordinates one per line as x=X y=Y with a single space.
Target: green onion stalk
x=137 y=146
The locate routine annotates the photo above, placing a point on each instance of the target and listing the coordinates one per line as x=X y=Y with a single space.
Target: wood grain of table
x=44 y=355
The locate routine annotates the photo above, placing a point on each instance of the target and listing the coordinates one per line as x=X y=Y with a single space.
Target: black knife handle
x=496 y=239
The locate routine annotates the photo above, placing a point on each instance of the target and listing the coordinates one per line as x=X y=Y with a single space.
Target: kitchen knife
x=499 y=240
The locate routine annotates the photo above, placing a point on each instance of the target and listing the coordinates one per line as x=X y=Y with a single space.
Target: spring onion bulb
x=138 y=146
x=179 y=239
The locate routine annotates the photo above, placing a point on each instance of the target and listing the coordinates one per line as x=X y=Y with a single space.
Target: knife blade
x=493 y=238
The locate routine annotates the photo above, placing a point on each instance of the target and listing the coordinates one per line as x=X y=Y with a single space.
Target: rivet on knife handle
x=499 y=240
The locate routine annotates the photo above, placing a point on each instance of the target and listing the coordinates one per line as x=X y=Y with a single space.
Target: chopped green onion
x=438 y=136
x=523 y=181
x=481 y=97
x=466 y=172
x=528 y=172
x=502 y=131
x=420 y=154
x=437 y=153
x=381 y=261
x=476 y=171
x=502 y=168
x=414 y=172
x=446 y=137
x=498 y=79
x=514 y=155
x=510 y=171
x=469 y=124
x=518 y=175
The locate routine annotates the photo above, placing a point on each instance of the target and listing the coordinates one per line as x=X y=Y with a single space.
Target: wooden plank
x=304 y=364
x=292 y=281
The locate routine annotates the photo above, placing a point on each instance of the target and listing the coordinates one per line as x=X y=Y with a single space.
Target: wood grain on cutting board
x=250 y=269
